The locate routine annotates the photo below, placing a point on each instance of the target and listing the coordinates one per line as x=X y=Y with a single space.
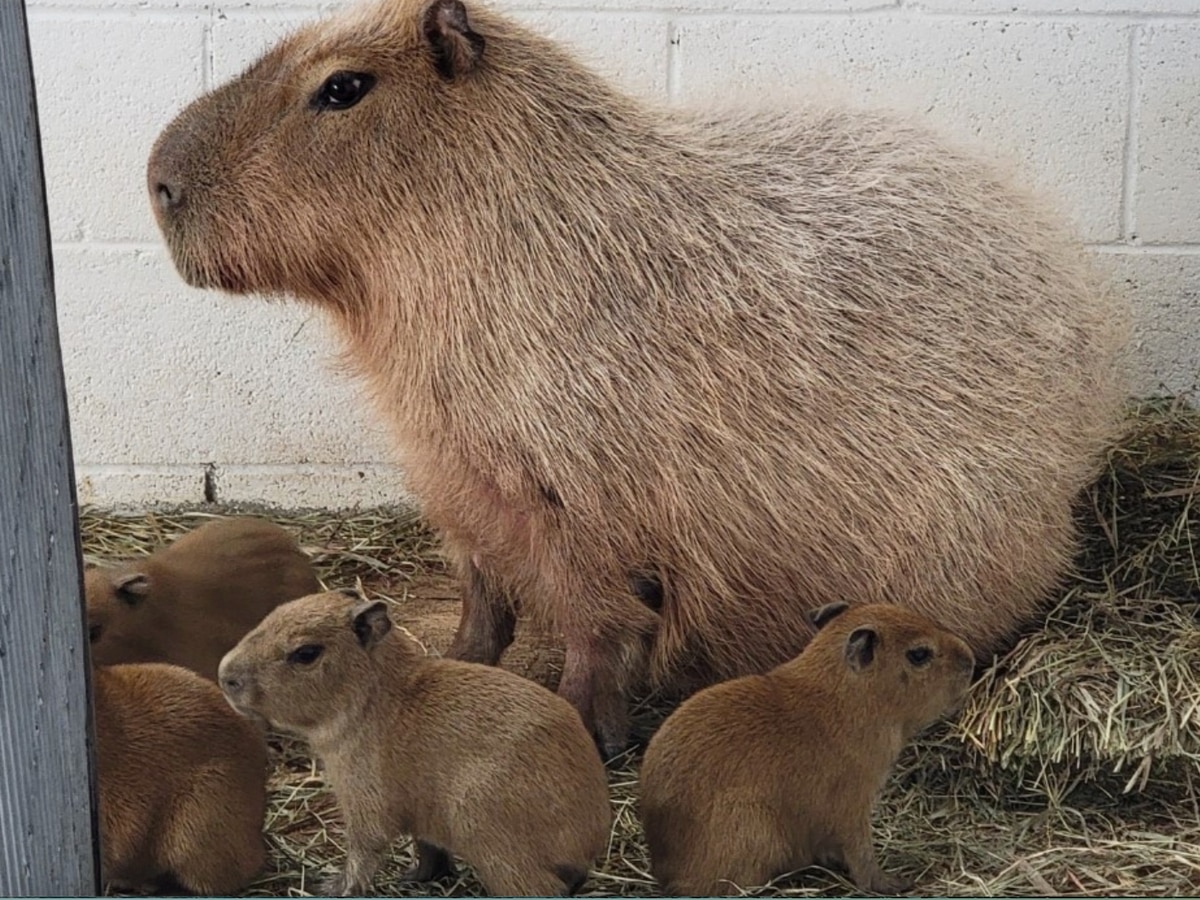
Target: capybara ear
x=860 y=647
x=371 y=622
x=823 y=614
x=456 y=48
x=132 y=587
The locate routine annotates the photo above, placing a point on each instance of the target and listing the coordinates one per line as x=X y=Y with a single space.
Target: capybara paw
x=610 y=743
x=432 y=864
x=338 y=885
x=889 y=885
x=609 y=723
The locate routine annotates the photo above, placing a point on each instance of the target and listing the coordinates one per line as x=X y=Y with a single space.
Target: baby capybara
x=663 y=380
x=190 y=602
x=470 y=760
x=766 y=774
x=182 y=782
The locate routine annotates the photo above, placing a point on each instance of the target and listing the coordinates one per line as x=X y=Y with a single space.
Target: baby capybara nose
x=231 y=681
x=167 y=195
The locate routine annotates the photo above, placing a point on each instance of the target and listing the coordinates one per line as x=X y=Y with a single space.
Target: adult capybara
x=190 y=602
x=182 y=782
x=662 y=380
x=468 y=759
x=765 y=774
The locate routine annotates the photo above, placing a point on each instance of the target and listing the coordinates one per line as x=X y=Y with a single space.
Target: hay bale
x=1111 y=680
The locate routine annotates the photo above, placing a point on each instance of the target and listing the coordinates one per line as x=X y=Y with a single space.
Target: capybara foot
x=331 y=886
x=601 y=704
x=572 y=879
x=433 y=863
x=887 y=885
x=611 y=731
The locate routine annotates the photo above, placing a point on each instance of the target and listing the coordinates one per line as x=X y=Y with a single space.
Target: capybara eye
x=342 y=90
x=306 y=655
x=919 y=656
x=94 y=633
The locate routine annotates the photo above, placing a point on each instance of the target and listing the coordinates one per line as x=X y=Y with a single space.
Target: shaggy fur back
x=823 y=359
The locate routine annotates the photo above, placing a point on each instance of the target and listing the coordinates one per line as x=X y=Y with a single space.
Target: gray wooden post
x=47 y=799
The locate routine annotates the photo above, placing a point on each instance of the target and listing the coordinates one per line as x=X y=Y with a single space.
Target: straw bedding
x=1073 y=770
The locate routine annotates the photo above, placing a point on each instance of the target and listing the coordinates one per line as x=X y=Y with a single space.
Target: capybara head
x=896 y=660
x=115 y=597
x=307 y=662
x=282 y=179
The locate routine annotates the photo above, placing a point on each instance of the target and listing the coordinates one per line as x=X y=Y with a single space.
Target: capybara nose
x=166 y=187
x=167 y=196
x=229 y=679
x=164 y=176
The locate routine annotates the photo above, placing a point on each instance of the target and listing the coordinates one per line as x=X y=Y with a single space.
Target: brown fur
x=182 y=782
x=190 y=602
x=766 y=774
x=766 y=361
x=468 y=759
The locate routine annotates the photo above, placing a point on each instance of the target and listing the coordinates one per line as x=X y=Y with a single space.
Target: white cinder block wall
x=177 y=394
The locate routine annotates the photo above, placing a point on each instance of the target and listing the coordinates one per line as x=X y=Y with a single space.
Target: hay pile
x=1074 y=769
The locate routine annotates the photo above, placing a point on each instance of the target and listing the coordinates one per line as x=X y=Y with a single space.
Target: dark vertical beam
x=47 y=800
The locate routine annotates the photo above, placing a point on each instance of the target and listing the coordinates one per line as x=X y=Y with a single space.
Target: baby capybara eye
x=306 y=655
x=342 y=90
x=919 y=656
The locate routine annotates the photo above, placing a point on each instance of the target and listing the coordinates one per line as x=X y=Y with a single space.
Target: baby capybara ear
x=132 y=587
x=370 y=622
x=860 y=647
x=823 y=614
x=456 y=48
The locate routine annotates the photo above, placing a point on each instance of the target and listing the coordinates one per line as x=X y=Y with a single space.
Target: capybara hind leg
x=432 y=863
x=220 y=864
x=590 y=683
x=598 y=674
x=213 y=843
x=488 y=621
x=518 y=878
x=859 y=855
x=712 y=879
x=572 y=878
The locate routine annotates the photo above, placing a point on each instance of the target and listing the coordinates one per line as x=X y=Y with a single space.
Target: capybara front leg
x=598 y=673
x=432 y=863
x=488 y=620
x=366 y=849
